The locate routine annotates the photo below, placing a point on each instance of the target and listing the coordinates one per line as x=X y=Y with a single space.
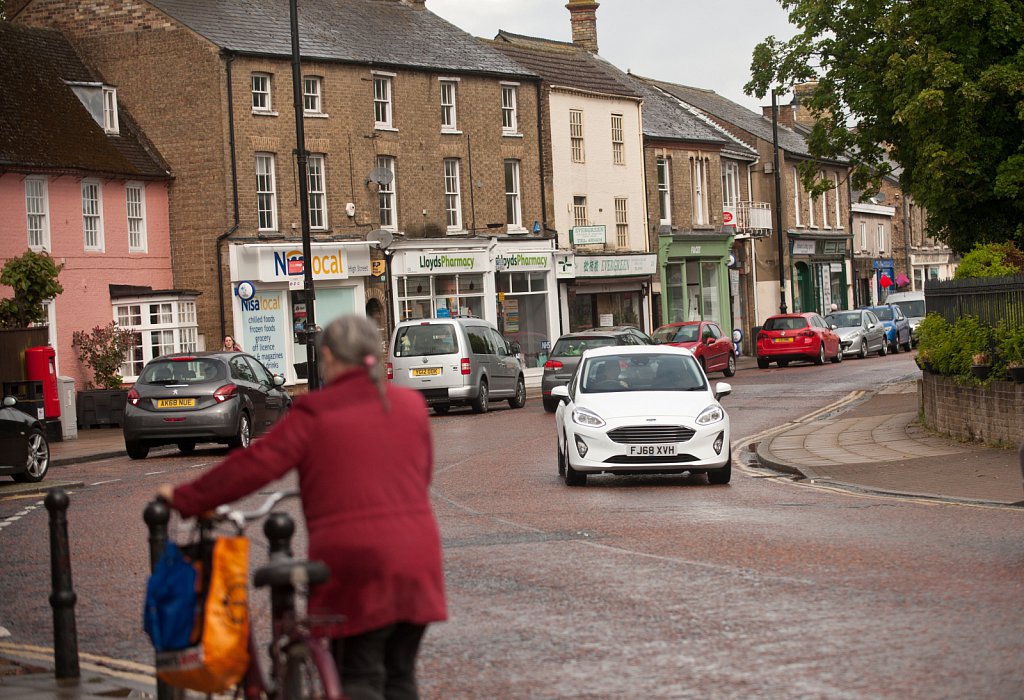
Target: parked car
x=897 y=326
x=860 y=332
x=913 y=307
x=803 y=336
x=713 y=350
x=24 y=450
x=566 y=353
x=188 y=398
x=641 y=410
x=456 y=362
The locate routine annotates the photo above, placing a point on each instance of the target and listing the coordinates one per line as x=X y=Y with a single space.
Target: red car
x=713 y=350
x=787 y=337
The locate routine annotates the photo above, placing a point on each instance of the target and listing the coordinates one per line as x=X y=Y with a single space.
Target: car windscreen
x=884 y=313
x=913 y=308
x=647 y=372
x=677 y=334
x=194 y=370
x=847 y=319
x=427 y=339
x=785 y=323
x=574 y=347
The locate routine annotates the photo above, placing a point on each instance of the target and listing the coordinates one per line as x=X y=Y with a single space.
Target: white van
x=912 y=306
x=456 y=362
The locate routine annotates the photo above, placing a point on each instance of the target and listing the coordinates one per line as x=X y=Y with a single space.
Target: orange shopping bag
x=219 y=653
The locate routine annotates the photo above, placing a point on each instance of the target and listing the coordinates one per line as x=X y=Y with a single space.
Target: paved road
x=628 y=588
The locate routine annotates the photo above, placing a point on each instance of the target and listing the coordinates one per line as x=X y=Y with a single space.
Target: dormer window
x=101 y=101
x=110 y=110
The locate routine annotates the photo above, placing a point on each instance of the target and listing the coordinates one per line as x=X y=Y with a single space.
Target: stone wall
x=993 y=414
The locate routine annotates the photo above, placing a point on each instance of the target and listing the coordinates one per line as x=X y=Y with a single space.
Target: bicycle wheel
x=309 y=673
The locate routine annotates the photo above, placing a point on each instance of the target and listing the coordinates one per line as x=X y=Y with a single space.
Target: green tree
x=33 y=277
x=991 y=260
x=933 y=86
x=103 y=351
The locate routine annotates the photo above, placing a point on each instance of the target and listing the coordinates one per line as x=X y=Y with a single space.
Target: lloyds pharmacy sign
x=420 y=263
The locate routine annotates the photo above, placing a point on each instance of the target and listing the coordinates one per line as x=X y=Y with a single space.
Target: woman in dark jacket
x=363 y=453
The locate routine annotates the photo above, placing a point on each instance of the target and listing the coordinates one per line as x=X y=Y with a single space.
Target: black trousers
x=379 y=664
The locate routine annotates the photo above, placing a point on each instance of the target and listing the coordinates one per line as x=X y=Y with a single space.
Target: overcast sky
x=701 y=43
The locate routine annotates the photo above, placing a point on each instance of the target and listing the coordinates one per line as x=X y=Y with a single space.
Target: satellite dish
x=382 y=237
x=382 y=176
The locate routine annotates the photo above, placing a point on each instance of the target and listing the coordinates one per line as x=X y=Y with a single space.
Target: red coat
x=365 y=477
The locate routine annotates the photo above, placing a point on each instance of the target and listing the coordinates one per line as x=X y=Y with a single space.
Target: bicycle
x=301 y=663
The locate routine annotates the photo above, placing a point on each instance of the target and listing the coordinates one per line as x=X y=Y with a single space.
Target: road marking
x=155 y=473
x=108 y=481
x=19 y=515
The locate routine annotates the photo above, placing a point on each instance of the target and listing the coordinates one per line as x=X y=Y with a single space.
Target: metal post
x=62 y=597
x=313 y=372
x=156 y=515
x=778 y=205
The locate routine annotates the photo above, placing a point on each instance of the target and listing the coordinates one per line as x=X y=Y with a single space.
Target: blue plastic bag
x=171 y=598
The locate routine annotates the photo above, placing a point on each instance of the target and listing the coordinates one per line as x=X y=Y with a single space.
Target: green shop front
x=694 y=274
x=818 y=270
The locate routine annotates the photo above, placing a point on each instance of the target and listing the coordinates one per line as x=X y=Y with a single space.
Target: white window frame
x=665 y=189
x=41 y=212
x=135 y=213
x=621 y=222
x=618 y=141
x=579 y=211
x=810 y=210
x=387 y=195
x=92 y=215
x=796 y=197
x=452 y=195
x=839 y=219
x=880 y=233
x=449 y=104
x=576 y=145
x=513 y=197
x=863 y=236
x=266 y=192
x=110 y=119
x=263 y=94
x=731 y=191
x=312 y=96
x=316 y=190
x=174 y=330
x=510 y=109
x=700 y=197
x=824 y=208
x=383 y=102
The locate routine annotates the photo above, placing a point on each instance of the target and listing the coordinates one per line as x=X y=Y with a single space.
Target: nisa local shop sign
x=418 y=263
x=285 y=263
x=615 y=265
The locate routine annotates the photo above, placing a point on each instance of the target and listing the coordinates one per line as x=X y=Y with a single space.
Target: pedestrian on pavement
x=366 y=500
x=230 y=345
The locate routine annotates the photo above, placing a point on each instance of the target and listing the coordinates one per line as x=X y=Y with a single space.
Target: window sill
x=453 y=132
x=316 y=115
x=384 y=127
x=516 y=229
x=457 y=231
x=264 y=113
x=512 y=134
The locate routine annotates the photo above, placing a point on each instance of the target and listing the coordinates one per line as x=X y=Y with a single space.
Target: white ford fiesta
x=641 y=410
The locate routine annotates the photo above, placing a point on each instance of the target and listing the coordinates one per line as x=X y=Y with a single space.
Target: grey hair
x=355 y=340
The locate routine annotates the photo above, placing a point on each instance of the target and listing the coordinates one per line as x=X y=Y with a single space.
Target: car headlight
x=710 y=415
x=586 y=417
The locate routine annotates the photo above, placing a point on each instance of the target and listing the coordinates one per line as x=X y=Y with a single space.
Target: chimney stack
x=801 y=94
x=583 y=15
x=785 y=114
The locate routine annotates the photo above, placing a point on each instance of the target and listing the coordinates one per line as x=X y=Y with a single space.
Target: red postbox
x=41 y=366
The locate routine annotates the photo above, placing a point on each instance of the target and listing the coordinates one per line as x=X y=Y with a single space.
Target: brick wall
x=993 y=414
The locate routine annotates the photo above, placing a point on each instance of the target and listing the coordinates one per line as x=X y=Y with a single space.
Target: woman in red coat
x=362 y=449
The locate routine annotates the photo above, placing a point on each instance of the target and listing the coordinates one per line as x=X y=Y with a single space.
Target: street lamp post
x=312 y=369
x=778 y=205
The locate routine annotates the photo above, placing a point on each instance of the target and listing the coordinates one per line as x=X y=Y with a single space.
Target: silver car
x=860 y=332
x=184 y=399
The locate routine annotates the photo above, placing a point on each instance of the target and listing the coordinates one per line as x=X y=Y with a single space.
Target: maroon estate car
x=806 y=336
x=713 y=350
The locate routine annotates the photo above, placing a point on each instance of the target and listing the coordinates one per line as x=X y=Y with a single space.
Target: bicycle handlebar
x=239 y=518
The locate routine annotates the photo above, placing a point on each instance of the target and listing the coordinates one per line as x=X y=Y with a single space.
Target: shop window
x=423 y=296
x=158 y=328
x=523 y=313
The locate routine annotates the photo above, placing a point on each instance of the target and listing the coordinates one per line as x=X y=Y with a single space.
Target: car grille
x=646 y=459
x=643 y=434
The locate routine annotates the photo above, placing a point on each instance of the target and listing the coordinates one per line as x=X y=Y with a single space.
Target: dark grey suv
x=565 y=355
x=183 y=399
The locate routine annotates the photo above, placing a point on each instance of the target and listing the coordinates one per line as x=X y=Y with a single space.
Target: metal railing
x=991 y=299
x=754 y=218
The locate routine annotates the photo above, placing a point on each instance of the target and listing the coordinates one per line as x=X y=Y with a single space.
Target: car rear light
x=464 y=366
x=133 y=397
x=761 y=336
x=228 y=391
x=188 y=358
x=807 y=333
x=552 y=364
x=391 y=371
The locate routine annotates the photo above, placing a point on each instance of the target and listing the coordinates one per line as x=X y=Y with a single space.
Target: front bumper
x=605 y=455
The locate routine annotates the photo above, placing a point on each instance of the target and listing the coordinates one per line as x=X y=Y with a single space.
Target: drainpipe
x=234 y=193
x=906 y=241
x=853 y=238
x=540 y=157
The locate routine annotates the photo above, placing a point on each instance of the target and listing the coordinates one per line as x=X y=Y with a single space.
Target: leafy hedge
x=949 y=349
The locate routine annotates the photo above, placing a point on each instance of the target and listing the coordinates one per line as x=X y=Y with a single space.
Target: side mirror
x=278 y=380
x=10 y=402
x=722 y=389
x=560 y=392
x=709 y=341
x=833 y=326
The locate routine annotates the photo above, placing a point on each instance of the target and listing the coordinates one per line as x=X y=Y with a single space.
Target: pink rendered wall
x=85 y=302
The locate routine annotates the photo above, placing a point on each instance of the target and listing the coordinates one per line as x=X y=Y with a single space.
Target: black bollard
x=157 y=515
x=279 y=528
x=62 y=598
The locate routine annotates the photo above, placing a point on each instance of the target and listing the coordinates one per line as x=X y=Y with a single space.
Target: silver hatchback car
x=184 y=399
x=456 y=362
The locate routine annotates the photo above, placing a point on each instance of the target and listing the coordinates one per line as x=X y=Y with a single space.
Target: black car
x=24 y=451
x=565 y=355
x=183 y=399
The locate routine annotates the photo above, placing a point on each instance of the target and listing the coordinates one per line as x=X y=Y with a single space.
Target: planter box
x=101 y=407
x=1016 y=374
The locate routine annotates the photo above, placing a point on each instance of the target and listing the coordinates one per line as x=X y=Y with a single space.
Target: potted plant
x=1010 y=348
x=103 y=351
x=924 y=360
x=981 y=365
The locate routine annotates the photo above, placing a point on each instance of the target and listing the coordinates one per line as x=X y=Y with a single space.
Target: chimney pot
x=583 y=16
